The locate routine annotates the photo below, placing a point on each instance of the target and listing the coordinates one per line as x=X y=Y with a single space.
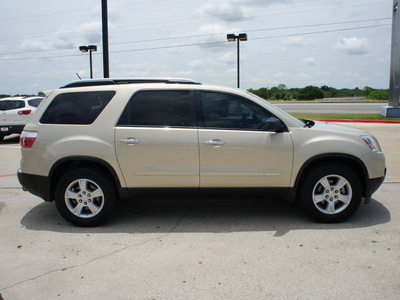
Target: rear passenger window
x=158 y=108
x=76 y=108
x=11 y=104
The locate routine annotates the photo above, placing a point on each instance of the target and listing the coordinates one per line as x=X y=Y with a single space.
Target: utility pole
x=393 y=110
x=106 y=66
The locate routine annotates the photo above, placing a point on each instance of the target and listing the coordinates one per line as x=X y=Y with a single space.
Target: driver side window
x=231 y=112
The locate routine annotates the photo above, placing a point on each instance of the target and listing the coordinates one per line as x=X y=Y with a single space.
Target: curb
x=358 y=121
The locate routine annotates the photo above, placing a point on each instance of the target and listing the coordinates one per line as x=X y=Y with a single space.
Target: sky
x=339 y=43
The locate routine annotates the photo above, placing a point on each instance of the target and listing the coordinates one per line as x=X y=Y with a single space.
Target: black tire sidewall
x=307 y=186
x=102 y=181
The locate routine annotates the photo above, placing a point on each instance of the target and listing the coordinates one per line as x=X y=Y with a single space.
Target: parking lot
x=202 y=247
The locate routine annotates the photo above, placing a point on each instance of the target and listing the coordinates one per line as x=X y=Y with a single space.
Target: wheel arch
x=73 y=162
x=349 y=160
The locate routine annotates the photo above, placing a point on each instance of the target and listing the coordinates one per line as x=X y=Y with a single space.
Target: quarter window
x=231 y=112
x=158 y=108
x=35 y=102
x=76 y=108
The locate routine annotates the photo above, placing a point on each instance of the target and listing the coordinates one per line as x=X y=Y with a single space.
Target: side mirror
x=272 y=124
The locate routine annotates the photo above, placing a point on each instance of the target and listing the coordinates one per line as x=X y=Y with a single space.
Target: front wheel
x=85 y=197
x=330 y=193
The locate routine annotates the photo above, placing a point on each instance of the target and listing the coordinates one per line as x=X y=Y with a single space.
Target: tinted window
x=231 y=112
x=158 y=108
x=11 y=104
x=35 y=102
x=76 y=108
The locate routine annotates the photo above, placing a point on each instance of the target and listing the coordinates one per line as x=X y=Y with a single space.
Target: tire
x=85 y=197
x=1 y=137
x=330 y=193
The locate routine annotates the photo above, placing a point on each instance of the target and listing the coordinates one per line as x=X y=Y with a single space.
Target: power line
x=219 y=15
x=204 y=35
x=202 y=44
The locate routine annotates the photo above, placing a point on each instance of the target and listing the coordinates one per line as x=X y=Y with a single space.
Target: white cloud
x=196 y=64
x=234 y=10
x=299 y=41
x=225 y=10
x=309 y=61
x=354 y=45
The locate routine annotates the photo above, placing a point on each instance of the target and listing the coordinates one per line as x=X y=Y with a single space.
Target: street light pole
x=90 y=49
x=240 y=37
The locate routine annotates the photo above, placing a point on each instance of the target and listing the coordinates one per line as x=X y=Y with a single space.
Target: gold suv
x=93 y=142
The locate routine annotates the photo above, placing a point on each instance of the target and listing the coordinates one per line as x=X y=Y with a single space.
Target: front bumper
x=35 y=184
x=372 y=185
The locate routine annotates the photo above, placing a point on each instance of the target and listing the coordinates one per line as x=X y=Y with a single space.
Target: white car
x=93 y=142
x=15 y=113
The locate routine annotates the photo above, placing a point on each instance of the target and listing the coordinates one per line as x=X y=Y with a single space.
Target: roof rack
x=113 y=81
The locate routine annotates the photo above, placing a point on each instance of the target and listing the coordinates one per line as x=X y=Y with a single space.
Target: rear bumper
x=10 y=129
x=35 y=184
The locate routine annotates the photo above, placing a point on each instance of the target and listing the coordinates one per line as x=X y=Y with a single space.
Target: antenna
x=78 y=76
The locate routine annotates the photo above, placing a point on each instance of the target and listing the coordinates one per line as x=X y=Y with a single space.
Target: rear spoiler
x=47 y=93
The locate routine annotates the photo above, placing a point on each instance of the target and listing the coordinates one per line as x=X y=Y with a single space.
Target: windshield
x=300 y=122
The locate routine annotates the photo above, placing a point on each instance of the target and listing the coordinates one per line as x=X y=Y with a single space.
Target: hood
x=327 y=126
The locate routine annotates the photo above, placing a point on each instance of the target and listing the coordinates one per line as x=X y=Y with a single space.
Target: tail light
x=24 y=112
x=28 y=138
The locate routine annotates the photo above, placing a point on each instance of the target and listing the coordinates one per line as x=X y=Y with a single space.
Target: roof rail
x=113 y=81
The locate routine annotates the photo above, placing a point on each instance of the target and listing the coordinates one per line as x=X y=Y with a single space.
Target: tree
x=379 y=95
x=367 y=90
x=262 y=92
x=310 y=93
x=282 y=87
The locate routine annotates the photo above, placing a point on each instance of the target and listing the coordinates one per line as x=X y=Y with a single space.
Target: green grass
x=317 y=116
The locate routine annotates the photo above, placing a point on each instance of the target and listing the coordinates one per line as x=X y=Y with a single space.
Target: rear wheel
x=331 y=193
x=85 y=197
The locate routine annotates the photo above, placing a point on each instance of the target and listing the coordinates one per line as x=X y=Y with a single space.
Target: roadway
x=360 y=108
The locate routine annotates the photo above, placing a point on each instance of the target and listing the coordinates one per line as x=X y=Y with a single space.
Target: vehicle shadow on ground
x=204 y=214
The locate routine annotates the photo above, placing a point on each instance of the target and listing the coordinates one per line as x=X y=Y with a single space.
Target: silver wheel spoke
x=318 y=198
x=345 y=199
x=82 y=185
x=331 y=208
x=71 y=195
x=97 y=193
x=341 y=183
x=93 y=208
x=78 y=209
x=325 y=183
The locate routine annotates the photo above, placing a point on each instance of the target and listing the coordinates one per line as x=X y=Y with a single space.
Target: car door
x=234 y=152
x=156 y=140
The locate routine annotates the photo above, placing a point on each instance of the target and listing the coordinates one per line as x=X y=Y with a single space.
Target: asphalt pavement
x=360 y=108
x=201 y=248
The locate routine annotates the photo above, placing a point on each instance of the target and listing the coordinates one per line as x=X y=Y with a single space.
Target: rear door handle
x=130 y=141
x=214 y=142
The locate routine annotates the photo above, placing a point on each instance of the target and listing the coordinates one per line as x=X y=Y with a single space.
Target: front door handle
x=214 y=142
x=130 y=141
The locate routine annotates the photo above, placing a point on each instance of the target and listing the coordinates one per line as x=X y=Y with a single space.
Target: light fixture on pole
x=240 y=37
x=90 y=49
